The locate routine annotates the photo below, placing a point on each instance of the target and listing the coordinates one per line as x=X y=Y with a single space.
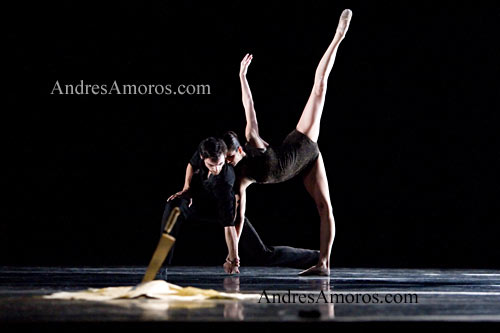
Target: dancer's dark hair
x=231 y=140
x=212 y=148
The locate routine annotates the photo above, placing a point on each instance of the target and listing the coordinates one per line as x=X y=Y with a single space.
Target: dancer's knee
x=340 y=34
x=320 y=86
x=182 y=203
x=324 y=207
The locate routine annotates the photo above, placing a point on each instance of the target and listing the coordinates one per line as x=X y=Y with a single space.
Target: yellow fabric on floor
x=158 y=289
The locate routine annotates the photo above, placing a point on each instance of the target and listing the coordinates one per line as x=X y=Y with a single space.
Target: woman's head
x=234 y=150
x=213 y=153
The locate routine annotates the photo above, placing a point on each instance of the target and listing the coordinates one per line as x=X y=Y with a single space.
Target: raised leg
x=310 y=119
x=316 y=184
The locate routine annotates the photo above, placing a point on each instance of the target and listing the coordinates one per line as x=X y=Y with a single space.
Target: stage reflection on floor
x=347 y=295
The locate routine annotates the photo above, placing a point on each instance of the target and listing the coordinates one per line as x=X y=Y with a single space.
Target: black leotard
x=276 y=164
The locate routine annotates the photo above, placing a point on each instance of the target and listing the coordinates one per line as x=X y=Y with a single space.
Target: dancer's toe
x=316 y=270
x=346 y=14
x=344 y=21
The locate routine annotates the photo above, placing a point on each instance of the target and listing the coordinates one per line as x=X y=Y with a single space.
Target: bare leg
x=316 y=184
x=309 y=122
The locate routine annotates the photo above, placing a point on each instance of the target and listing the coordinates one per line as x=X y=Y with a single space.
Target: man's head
x=213 y=153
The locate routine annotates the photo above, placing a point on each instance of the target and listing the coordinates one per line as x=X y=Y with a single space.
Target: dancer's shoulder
x=252 y=149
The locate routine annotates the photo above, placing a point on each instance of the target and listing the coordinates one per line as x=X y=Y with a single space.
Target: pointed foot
x=344 y=21
x=316 y=270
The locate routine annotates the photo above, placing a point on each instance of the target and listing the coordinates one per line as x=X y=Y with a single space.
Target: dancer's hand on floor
x=181 y=194
x=231 y=266
x=245 y=63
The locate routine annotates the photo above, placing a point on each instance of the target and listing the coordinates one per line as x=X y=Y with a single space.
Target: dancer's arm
x=241 y=217
x=224 y=197
x=188 y=177
x=233 y=261
x=232 y=240
x=187 y=182
x=242 y=205
x=252 y=128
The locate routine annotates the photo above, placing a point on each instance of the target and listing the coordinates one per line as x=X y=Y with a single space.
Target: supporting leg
x=309 y=122
x=316 y=184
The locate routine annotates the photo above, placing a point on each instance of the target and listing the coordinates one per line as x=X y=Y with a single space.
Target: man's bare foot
x=344 y=21
x=319 y=270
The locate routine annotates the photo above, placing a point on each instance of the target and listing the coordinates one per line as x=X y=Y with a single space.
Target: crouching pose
x=208 y=197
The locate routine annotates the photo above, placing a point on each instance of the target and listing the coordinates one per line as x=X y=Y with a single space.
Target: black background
x=409 y=132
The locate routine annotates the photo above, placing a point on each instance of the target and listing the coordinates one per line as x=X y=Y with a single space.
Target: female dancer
x=258 y=162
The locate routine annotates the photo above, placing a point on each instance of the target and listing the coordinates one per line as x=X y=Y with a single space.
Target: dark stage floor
x=431 y=295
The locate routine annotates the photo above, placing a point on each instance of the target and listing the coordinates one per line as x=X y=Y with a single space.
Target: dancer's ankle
x=325 y=264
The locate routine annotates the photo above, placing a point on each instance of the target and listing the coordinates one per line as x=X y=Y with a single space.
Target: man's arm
x=187 y=178
x=185 y=189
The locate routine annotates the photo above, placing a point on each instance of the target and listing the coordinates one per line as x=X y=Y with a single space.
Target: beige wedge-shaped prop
x=164 y=246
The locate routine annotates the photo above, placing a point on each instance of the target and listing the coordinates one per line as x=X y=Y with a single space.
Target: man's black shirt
x=214 y=194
